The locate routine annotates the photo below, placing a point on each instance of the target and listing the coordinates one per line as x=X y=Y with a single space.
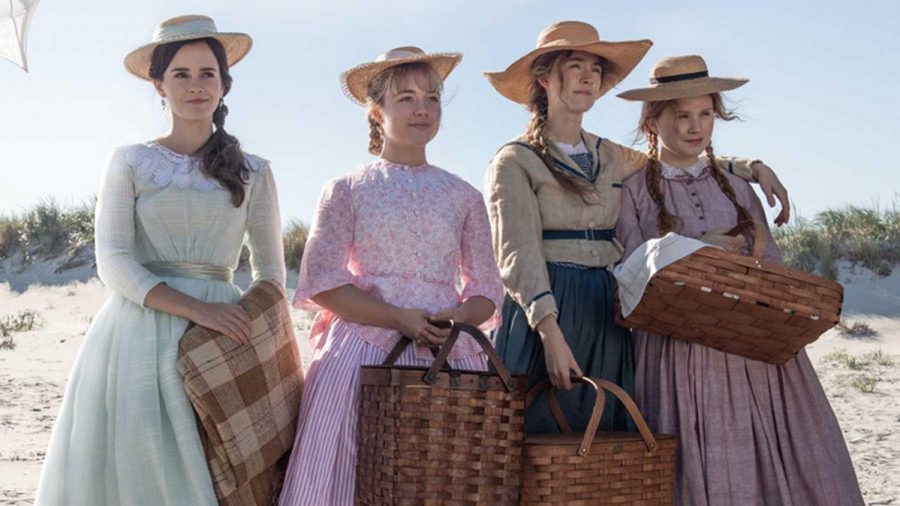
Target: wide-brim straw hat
x=681 y=77
x=356 y=81
x=190 y=27
x=514 y=83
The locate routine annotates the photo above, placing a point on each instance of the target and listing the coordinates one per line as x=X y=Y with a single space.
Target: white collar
x=694 y=170
x=571 y=149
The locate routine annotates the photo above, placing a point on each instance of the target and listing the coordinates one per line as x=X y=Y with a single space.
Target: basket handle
x=759 y=236
x=440 y=359
x=598 y=385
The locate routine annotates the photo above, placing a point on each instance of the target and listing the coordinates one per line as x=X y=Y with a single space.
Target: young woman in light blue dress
x=171 y=217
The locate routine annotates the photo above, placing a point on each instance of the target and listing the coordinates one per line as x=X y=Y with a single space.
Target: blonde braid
x=665 y=221
x=376 y=136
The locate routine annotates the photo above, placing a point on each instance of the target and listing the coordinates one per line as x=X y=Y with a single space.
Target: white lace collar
x=154 y=162
x=694 y=170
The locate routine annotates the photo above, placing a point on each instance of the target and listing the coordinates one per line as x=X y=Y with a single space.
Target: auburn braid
x=725 y=186
x=665 y=221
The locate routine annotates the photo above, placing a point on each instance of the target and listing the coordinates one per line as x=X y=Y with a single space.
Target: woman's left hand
x=772 y=189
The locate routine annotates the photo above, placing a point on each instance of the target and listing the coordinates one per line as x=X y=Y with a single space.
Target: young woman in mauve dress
x=386 y=247
x=748 y=432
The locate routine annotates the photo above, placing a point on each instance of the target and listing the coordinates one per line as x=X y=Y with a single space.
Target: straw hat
x=681 y=77
x=237 y=45
x=356 y=80
x=514 y=83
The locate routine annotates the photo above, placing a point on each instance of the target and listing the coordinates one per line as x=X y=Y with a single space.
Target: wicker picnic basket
x=597 y=468
x=440 y=436
x=738 y=304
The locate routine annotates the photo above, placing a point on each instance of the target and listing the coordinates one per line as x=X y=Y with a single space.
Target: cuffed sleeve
x=327 y=253
x=264 y=235
x=516 y=233
x=114 y=231
x=478 y=269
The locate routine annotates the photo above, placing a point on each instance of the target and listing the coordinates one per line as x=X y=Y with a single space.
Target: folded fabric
x=635 y=272
x=246 y=397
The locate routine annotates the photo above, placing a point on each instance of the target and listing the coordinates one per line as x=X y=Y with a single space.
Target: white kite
x=15 y=16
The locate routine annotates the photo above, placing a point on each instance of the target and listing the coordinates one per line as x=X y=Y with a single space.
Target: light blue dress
x=126 y=433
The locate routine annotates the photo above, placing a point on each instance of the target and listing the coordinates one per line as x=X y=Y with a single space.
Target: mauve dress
x=749 y=433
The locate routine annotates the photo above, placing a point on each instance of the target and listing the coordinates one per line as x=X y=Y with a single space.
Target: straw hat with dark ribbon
x=514 y=83
x=191 y=27
x=681 y=77
x=356 y=81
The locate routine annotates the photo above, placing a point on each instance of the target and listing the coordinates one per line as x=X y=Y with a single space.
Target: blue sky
x=821 y=107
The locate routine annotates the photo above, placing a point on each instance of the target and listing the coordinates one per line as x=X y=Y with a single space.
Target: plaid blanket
x=246 y=398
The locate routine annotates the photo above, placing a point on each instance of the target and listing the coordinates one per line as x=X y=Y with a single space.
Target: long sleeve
x=264 y=229
x=628 y=228
x=516 y=232
x=327 y=254
x=633 y=161
x=117 y=264
x=478 y=269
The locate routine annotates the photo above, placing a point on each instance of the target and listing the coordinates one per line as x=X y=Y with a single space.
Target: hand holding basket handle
x=598 y=385
x=440 y=359
x=759 y=236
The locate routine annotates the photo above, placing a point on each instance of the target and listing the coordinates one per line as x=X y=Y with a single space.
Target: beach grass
x=868 y=237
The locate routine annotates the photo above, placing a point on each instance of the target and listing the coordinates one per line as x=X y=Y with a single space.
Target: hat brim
x=355 y=81
x=236 y=45
x=514 y=83
x=683 y=89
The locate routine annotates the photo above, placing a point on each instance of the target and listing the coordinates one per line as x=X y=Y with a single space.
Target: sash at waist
x=191 y=270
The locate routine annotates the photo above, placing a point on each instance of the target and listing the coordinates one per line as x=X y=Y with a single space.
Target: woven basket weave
x=597 y=468
x=440 y=436
x=738 y=304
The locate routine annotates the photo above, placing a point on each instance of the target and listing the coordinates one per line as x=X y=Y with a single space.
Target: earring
x=221 y=103
x=162 y=102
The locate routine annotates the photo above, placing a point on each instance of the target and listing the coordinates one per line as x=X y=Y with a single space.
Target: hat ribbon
x=678 y=77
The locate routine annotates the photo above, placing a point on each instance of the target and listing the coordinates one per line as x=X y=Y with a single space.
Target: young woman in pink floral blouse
x=387 y=246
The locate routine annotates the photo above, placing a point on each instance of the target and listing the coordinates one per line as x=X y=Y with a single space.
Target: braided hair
x=538 y=104
x=666 y=221
x=221 y=154
x=387 y=79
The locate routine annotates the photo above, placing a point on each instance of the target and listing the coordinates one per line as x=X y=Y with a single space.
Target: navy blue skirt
x=601 y=348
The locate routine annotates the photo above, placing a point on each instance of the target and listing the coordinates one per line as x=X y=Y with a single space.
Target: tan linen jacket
x=524 y=199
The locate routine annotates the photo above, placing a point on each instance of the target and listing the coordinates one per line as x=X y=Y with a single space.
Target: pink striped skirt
x=322 y=469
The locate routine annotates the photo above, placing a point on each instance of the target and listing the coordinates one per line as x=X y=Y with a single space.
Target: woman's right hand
x=726 y=242
x=414 y=324
x=561 y=364
x=229 y=319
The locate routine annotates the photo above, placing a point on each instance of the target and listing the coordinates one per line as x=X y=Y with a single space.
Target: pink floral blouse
x=413 y=236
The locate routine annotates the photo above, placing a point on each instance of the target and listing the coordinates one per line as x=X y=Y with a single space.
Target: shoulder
x=517 y=150
x=637 y=182
x=456 y=183
x=256 y=163
x=742 y=188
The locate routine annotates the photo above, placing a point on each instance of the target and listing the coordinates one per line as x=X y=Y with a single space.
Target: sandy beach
x=861 y=374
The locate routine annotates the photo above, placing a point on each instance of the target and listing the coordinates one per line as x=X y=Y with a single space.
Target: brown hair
x=667 y=222
x=389 y=79
x=538 y=106
x=222 y=157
